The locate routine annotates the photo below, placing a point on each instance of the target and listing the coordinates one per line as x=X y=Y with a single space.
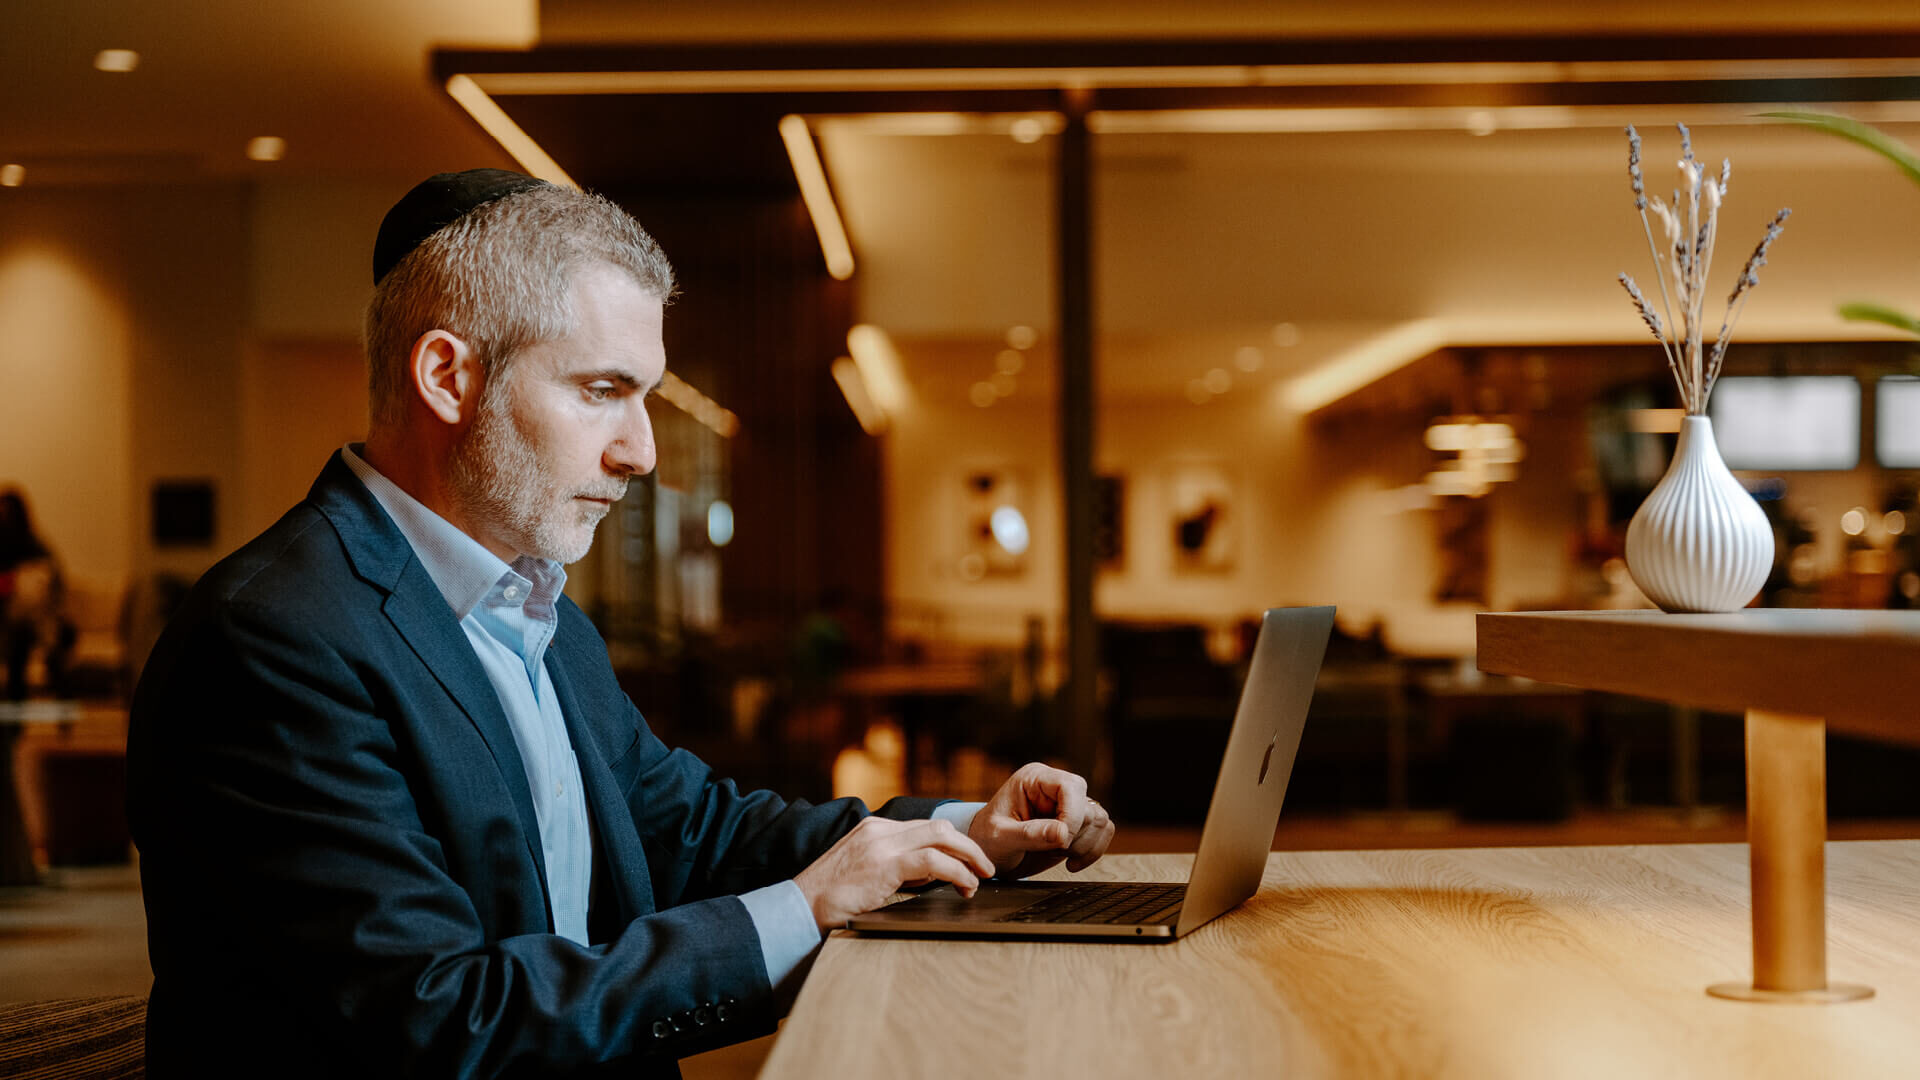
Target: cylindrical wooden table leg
x=1786 y=838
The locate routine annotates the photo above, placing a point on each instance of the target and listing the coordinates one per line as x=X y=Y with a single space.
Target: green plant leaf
x=1880 y=314
x=1865 y=134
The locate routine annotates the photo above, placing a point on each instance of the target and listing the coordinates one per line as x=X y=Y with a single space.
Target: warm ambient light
x=1441 y=73
x=676 y=392
x=12 y=175
x=872 y=419
x=118 y=61
x=1488 y=453
x=1478 y=121
x=1655 y=421
x=879 y=364
x=505 y=132
x=266 y=148
x=1364 y=363
x=812 y=178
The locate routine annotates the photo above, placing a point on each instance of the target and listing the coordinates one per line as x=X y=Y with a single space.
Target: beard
x=502 y=482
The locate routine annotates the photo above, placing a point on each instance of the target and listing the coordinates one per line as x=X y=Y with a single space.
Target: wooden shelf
x=1858 y=669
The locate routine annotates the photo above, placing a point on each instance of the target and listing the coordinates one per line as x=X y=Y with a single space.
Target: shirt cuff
x=958 y=814
x=788 y=936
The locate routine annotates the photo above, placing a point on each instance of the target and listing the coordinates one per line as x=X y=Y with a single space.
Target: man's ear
x=446 y=375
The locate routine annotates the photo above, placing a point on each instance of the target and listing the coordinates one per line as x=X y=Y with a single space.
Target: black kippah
x=435 y=203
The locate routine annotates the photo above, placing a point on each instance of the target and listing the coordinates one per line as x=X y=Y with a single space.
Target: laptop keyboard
x=1105 y=902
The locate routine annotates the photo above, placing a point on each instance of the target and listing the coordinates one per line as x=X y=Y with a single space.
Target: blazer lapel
x=620 y=855
x=420 y=614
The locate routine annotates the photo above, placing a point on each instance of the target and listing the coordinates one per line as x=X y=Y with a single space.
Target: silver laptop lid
x=1259 y=759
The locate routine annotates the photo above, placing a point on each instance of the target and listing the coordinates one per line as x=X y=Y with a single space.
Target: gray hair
x=499 y=279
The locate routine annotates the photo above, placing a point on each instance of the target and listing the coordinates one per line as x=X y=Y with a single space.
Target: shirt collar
x=460 y=566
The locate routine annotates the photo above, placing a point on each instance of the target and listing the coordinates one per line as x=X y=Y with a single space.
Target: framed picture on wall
x=1203 y=517
x=994 y=513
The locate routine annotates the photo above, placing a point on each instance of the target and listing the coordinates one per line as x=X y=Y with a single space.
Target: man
x=394 y=813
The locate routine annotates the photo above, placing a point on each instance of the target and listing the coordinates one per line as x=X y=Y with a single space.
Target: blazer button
x=703 y=1016
x=661 y=1029
x=723 y=1012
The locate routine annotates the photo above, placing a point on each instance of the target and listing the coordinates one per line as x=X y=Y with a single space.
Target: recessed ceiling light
x=266 y=148
x=119 y=61
x=12 y=175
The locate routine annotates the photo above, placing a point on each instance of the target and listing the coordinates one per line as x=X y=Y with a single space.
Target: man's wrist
x=958 y=814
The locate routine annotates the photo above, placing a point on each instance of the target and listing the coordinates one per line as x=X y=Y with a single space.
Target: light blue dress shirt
x=508 y=614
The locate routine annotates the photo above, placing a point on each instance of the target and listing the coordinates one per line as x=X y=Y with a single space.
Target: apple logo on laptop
x=1266 y=761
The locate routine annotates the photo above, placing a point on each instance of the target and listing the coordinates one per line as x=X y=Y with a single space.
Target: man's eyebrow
x=622 y=376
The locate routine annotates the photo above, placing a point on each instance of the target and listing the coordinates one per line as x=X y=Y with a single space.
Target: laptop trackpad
x=994 y=900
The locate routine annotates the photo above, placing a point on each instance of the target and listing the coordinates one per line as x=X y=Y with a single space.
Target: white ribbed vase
x=1700 y=542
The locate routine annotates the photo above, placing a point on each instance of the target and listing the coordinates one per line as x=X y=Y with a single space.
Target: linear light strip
x=1258 y=121
x=873 y=419
x=1365 y=363
x=708 y=412
x=876 y=79
x=879 y=363
x=511 y=137
x=1409 y=74
x=933 y=123
x=818 y=196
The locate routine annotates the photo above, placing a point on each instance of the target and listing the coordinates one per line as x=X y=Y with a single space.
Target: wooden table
x=1472 y=964
x=1792 y=672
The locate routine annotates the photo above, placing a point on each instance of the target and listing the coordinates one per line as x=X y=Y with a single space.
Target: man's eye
x=601 y=391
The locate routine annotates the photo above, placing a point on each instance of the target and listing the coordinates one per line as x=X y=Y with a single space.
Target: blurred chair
x=1171 y=710
x=95 y=1038
x=97 y=666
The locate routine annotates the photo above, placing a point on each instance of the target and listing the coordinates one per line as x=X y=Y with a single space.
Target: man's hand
x=873 y=861
x=1038 y=817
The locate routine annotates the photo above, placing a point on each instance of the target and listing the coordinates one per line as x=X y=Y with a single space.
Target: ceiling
x=344 y=82
x=1206 y=241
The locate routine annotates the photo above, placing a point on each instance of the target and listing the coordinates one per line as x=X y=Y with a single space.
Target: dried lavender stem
x=1665 y=301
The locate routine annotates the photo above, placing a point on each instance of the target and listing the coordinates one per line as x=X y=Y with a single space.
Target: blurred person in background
x=32 y=615
x=395 y=814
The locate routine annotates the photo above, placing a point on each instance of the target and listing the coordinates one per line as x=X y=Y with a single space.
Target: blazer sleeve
x=706 y=838
x=294 y=881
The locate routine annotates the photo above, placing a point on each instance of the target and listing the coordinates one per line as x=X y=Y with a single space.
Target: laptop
x=1233 y=844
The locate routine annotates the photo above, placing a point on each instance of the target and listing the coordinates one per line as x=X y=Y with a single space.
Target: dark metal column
x=1074 y=252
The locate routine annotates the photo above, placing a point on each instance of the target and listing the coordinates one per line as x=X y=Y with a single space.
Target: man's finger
x=1067 y=792
x=1091 y=841
x=927 y=862
x=943 y=836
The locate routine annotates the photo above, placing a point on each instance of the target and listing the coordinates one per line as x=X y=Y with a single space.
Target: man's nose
x=633 y=452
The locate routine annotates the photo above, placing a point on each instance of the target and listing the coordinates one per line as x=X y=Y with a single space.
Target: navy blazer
x=341 y=866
